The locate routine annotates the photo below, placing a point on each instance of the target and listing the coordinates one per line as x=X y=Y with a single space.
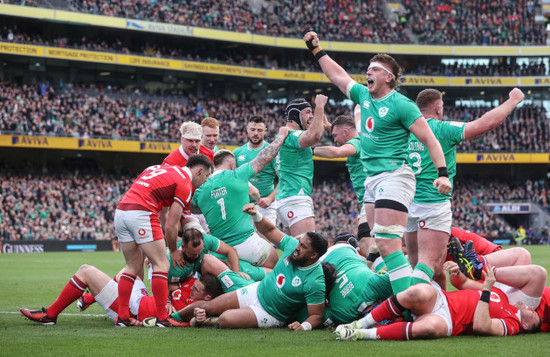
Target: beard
x=297 y=262
x=255 y=142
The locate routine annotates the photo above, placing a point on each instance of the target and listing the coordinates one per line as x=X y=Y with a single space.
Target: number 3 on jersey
x=417 y=164
x=221 y=202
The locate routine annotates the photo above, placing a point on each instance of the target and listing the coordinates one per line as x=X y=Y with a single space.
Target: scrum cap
x=294 y=110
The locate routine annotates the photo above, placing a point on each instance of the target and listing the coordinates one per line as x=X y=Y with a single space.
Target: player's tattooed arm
x=269 y=153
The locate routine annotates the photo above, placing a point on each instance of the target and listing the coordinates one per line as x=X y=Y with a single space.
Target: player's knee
x=523 y=256
x=415 y=295
x=84 y=269
x=224 y=321
x=430 y=330
x=538 y=273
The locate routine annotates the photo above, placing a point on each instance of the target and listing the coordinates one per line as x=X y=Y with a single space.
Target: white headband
x=378 y=65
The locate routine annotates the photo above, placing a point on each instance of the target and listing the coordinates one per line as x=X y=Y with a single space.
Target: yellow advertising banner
x=25 y=50
x=151 y=62
x=535 y=81
x=294 y=75
x=425 y=81
x=502 y=158
x=212 y=68
x=79 y=55
x=484 y=81
x=48 y=142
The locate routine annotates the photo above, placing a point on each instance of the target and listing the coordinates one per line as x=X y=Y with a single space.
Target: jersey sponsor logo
x=369 y=124
x=176 y=294
x=421 y=224
x=281 y=279
x=366 y=104
x=241 y=158
x=383 y=111
x=296 y=281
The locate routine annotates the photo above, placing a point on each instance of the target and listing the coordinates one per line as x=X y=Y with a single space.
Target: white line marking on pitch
x=65 y=313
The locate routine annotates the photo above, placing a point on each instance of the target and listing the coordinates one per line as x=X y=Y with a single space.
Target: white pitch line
x=65 y=313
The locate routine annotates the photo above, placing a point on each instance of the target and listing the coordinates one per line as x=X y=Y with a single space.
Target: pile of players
x=401 y=165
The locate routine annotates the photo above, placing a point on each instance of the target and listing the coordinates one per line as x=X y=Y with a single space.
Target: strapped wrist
x=442 y=172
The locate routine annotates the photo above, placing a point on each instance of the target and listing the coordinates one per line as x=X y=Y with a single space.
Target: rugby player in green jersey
x=294 y=203
x=296 y=281
x=430 y=217
x=344 y=133
x=264 y=180
x=223 y=197
x=387 y=118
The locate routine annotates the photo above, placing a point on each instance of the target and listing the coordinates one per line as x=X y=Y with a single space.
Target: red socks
x=70 y=293
x=395 y=331
x=389 y=309
x=159 y=286
x=125 y=285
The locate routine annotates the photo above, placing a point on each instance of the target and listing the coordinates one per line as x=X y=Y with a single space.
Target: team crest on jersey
x=366 y=104
x=241 y=158
x=383 y=111
x=369 y=124
x=281 y=279
x=296 y=281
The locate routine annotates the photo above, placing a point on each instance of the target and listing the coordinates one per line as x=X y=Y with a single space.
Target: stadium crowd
x=75 y=205
x=93 y=111
x=254 y=57
x=499 y=22
x=477 y=22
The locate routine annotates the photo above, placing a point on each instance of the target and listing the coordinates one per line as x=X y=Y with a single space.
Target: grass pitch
x=35 y=280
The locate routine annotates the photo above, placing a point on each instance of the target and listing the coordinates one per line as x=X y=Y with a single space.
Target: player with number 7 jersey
x=137 y=224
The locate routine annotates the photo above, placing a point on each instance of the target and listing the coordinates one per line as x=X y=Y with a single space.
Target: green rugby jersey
x=449 y=134
x=221 y=199
x=357 y=171
x=264 y=179
x=288 y=288
x=385 y=126
x=296 y=167
x=211 y=243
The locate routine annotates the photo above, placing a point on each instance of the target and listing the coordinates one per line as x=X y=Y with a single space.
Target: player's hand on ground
x=200 y=314
x=254 y=192
x=489 y=274
x=170 y=308
x=177 y=258
x=296 y=326
x=250 y=209
x=265 y=202
x=244 y=275
x=321 y=100
x=311 y=36
x=443 y=185
x=516 y=95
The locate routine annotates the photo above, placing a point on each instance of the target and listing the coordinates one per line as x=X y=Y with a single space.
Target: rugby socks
x=125 y=286
x=396 y=331
x=70 y=293
x=422 y=274
x=387 y=310
x=399 y=270
x=159 y=286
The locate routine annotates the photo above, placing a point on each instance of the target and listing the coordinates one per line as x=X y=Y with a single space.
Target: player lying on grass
x=441 y=314
x=104 y=290
x=520 y=283
x=296 y=281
